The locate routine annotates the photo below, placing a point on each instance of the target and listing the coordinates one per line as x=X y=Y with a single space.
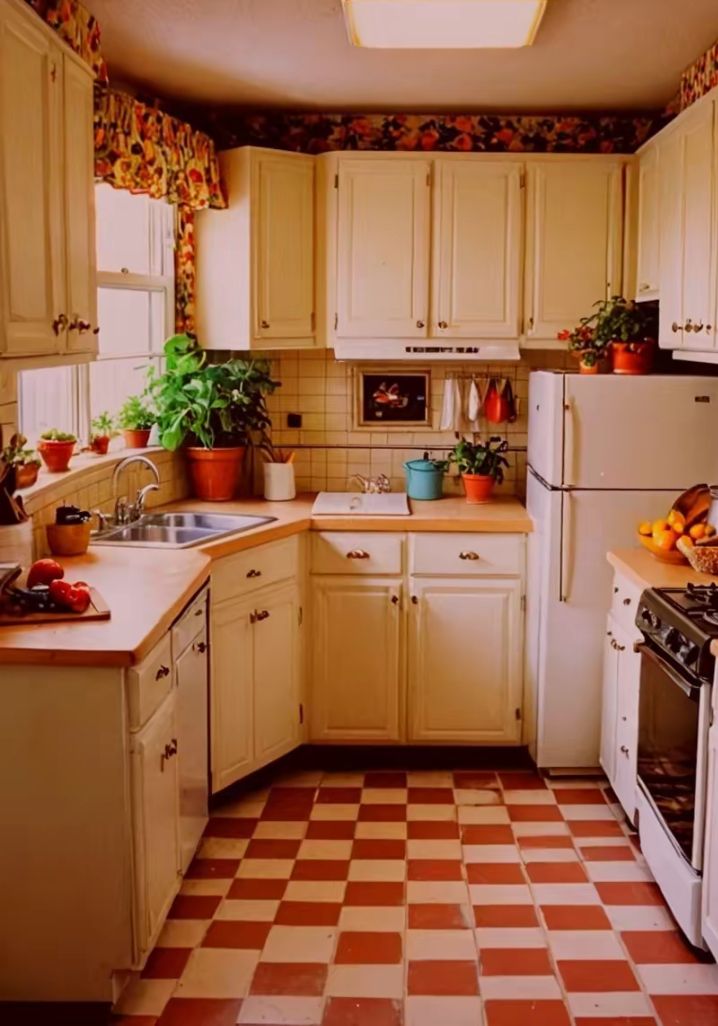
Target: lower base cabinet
x=710 y=857
x=465 y=660
x=356 y=659
x=619 y=718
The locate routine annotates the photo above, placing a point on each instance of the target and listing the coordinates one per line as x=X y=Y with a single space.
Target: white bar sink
x=381 y=504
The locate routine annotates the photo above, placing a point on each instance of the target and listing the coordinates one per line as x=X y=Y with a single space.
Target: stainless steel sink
x=178 y=530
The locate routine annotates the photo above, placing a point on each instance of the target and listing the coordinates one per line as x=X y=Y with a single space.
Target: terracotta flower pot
x=99 y=444
x=136 y=438
x=26 y=475
x=56 y=455
x=214 y=473
x=632 y=357
x=478 y=487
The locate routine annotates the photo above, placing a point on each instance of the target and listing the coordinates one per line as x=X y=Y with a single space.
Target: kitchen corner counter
x=647 y=572
x=146 y=588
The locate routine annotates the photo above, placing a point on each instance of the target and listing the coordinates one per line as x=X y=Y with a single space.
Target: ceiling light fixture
x=442 y=24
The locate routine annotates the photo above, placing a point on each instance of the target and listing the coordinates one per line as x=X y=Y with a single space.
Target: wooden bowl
x=663 y=556
x=68 y=539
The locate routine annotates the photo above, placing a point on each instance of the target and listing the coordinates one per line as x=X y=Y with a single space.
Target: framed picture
x=393 y=398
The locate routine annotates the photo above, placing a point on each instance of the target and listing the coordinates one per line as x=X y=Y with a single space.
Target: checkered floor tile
x=424 y=899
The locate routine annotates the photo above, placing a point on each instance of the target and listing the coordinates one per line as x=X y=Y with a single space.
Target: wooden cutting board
x=97 y=610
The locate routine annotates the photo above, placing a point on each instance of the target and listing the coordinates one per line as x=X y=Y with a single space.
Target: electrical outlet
x=294 y=420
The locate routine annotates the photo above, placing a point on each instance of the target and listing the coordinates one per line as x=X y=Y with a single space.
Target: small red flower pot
x=478 y=487
x=632 y=357
x=56 y=455
x=136 y=439
x=99 y=444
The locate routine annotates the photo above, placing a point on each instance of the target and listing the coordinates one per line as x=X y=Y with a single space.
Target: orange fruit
x=666 y=540
x=697 y=531
x=645 y=528
x=659 y=527
x=677 y=521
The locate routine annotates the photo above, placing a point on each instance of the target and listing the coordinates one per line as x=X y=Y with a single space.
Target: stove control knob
x=650 y=619
x=674 y=640
x=689 y=653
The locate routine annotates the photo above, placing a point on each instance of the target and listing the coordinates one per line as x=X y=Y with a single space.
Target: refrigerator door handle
x=569 y=425
x=565 y=567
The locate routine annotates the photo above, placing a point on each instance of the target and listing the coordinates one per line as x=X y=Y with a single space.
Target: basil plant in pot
x=481 y=465
x=211 y=411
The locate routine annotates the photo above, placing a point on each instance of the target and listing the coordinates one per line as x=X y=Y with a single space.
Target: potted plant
x=619 y=327
x=25 y=461
x=102 y=431
x=15 y=524
x=211 y=410
x=136 y=418
x=481 y=465
x=56 y=449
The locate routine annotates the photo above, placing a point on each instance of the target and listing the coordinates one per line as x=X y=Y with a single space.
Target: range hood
x=398 y=350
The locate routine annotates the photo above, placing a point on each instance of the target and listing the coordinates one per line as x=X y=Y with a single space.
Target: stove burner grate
x=705 y=595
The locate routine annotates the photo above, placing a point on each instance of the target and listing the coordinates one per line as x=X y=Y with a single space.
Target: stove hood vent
x=427 y=351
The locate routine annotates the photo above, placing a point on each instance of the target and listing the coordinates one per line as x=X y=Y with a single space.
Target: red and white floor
x=424 y=899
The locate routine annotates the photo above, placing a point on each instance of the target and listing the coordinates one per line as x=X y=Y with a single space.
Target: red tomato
x=43 y=571
x=69 y=596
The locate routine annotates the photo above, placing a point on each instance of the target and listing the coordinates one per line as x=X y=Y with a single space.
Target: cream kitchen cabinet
x=465 y=660
x=574 y=241
x=255 y=693
x=477 y=239
x=710 y=854
x=648 y=240
x=356 y=682
x=688 y=240
x=255 y=260
x=47 y=232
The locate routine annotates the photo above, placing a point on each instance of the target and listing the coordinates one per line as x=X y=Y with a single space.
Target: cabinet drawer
x=466 y=554
x=254 y=568
x=191 y=623
x=624 y=604
x=353 y=552
x=149 y=682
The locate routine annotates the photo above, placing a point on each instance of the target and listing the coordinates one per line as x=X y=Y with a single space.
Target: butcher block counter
x=648 y=572
x=146 y=588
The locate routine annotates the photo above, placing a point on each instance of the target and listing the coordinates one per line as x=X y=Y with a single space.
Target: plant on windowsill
x=24 y=459
x=15 y=525
x=136 y=419
x=102 y=431
x=56 y=449
x=620 y=328
x=481 y=465
x=211 y=411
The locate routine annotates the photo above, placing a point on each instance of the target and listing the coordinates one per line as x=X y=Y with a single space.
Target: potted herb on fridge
x=102 y=431
x=24 y=459
x=211 y=411
x=481 y=465
x=56 y=449
x=136 y=419
x=620 y=328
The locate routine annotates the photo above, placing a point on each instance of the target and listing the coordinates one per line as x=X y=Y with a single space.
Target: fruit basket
x=663 y=555
x=687 y=522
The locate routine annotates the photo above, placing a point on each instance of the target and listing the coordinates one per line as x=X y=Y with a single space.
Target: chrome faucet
x=373 y=485
x=125 y=511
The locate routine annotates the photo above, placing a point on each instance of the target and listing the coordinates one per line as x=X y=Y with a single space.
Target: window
x=135 y=300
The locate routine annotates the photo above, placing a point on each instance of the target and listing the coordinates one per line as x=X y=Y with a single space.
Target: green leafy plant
x=614 y=320
x=137 y=414
x=54 y=435
x=103 y=426
x=485 y=458
x=209 y=405
x=19 y=454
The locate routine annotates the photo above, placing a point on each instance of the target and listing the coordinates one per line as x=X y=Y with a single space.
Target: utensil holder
x=279 y=484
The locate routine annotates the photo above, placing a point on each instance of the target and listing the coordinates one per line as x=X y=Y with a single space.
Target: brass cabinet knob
x=421 y=324
x=357 y=554
x=469 y=555
x=443 y=324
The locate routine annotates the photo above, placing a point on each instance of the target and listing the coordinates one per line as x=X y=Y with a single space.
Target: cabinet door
x=383 y=248
x=355 y=680
x=283 y=233
x=231 y=691
x=629 y=674
x=192 y=730
x=155 y=819
x=710 y=857
x=276 y=674
x=699 y=235
x=32 y=263
x=574 y=241
x=465 y=661
x=80 y=208
x=670 y=210
x=477 y=249
x=647 y=276
x=609 y=703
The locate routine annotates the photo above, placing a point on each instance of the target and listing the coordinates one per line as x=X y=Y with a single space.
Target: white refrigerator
x=604 y=453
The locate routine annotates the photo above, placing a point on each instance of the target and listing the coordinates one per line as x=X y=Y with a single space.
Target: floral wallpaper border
x=78 y=28
x=699 y=78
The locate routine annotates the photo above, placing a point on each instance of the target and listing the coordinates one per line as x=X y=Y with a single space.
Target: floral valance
x=77 y=27
x=700 y=77
x=140 y=148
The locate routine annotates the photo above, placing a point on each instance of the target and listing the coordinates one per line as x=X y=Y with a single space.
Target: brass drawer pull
x=200 y=646
x=164 y=671
x=254 y=573
x=357 y=554
x=258 y=615
x=469 y=555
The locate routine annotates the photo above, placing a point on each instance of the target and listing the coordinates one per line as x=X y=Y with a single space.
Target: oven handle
x=693 y=693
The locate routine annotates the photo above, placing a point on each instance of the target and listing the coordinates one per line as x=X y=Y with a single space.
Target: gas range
x=680 y=623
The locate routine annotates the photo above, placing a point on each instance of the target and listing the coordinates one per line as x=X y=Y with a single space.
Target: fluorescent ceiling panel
x=442 y=24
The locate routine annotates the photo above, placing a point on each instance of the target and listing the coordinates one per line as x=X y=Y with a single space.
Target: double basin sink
x=178 y=530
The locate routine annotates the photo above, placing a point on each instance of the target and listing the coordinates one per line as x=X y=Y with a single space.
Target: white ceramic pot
x=279 y=483
x=16 y=543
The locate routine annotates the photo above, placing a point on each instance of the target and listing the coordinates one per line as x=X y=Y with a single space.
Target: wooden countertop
x=146 y=588
x=647 y=572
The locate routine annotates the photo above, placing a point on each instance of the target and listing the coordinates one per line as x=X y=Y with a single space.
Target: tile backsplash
x=330 y=448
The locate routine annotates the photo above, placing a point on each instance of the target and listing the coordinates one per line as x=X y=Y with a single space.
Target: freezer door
x=640 y=432
x=569 y=590
x=545 y=425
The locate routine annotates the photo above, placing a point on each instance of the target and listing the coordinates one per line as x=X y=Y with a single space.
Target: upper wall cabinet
x=687 y=231
x=47 y=229
x=255 y=260
x=648 y=241
x=574 y=241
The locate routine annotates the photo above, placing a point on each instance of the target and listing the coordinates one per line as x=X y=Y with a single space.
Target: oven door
x=673 y=722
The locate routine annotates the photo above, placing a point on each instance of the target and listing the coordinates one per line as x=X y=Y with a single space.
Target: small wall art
x=392 y=398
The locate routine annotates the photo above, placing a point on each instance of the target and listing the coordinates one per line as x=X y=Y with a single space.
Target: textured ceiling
x=589 y=55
